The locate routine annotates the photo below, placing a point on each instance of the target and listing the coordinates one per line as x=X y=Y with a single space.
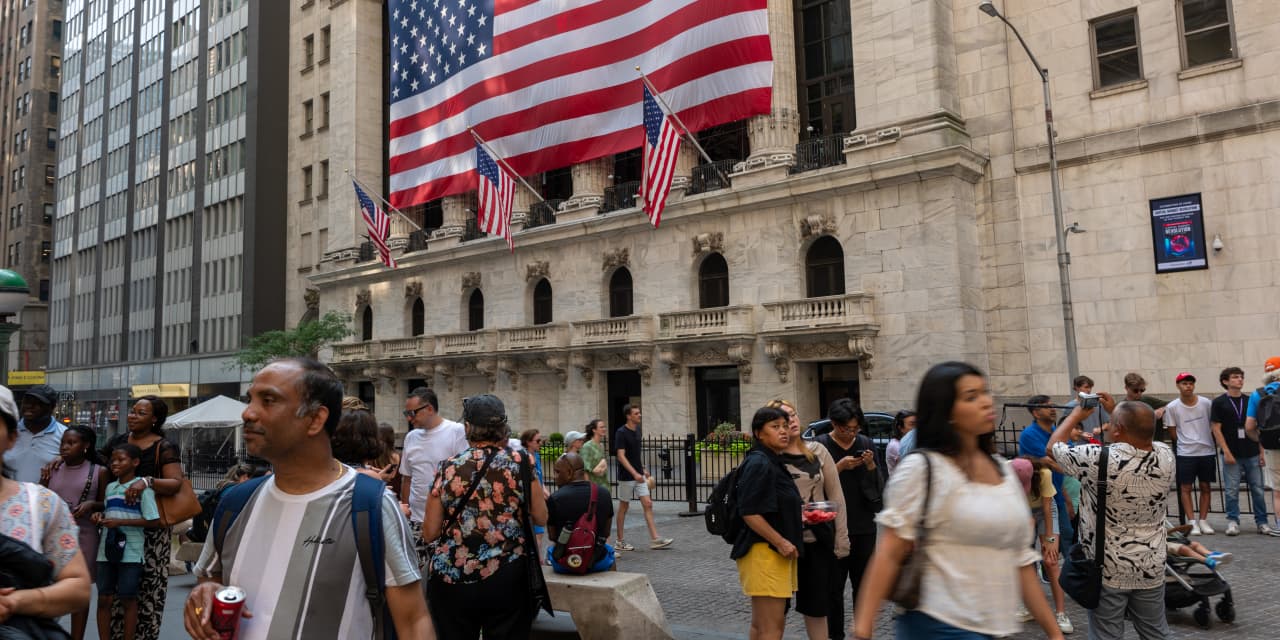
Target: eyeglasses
x=410 y=413
x=852 y=426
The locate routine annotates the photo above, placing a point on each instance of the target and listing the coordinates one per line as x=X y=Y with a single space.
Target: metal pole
x=690 y=482
x=497 y=158
x=383 y=200
x=657 y=95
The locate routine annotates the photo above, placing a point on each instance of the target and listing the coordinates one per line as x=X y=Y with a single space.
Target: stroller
x=1188 y=582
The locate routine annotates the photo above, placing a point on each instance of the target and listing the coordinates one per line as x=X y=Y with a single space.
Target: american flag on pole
x=550 y=83
x=379 y=224
x=497 y=191
x=658 y=165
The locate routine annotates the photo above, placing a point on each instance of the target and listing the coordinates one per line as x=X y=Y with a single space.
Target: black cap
x=43 y=394
x=483 y=410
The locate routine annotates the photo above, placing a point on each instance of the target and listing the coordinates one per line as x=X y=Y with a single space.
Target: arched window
x=417 y=318
x=713 y=282
x=366 y=324
x=475 y=311
x=620 y=293
x=824 y=268
x=542 y=302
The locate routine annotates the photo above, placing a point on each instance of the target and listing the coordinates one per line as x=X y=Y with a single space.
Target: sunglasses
x=410 y=413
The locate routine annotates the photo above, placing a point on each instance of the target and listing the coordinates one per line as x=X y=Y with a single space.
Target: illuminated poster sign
x=1177 y=234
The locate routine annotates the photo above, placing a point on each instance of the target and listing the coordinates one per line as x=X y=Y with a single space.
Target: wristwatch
x=1051 y=539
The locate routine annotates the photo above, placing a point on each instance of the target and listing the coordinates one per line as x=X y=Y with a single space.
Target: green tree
x=306 y=339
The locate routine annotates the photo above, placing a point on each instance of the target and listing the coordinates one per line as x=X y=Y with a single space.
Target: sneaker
x=1205 y=528
x=623 y=545
x=1233 y=529
x=660 y=543
x=1220 y=558
x=1268 y=530
x=1024 y=615
x=1064 y=623
x=1195 y=528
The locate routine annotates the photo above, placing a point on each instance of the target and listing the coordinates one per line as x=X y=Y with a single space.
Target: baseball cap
x=572 y=437
x=1184 y=376
x=8 y=408
x=43 y=394
x=1272 y=364
x=483 y=410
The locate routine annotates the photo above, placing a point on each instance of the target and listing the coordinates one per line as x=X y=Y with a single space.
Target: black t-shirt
x=862 y=488
x=629 y=442
x=168 y=453
x=1230 y=412
x=569 y=502
x=765 y=489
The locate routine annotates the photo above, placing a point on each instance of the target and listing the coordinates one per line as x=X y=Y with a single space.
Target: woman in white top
x=903 y=423
x=979 y=560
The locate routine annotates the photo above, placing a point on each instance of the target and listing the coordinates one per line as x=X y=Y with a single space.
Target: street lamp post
x=13 y=296
x=1064 y=257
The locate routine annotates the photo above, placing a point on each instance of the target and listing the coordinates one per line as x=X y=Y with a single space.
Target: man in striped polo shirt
x=292 y=547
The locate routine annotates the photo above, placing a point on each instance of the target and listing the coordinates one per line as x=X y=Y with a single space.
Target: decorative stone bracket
x=508 y=366
x=536 y=270
x=559 y=364
x=708 y=243
x=445 y=371
x=311 y=298
x=616 y=258
x=413 y=290
x=737 y=352
x=381 y=376
x=471 y=280
x=860 y=346
x=642 y=358
x=488 y=367
x=585 y=364
x=777 y=351
x=816 y=225
x=362 y=298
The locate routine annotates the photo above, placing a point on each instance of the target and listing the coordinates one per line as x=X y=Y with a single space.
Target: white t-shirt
x=296 y=559
x=1194 y=431
x=424 y=450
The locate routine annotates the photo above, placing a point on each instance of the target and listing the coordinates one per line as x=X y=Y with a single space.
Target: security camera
x=1217 y=242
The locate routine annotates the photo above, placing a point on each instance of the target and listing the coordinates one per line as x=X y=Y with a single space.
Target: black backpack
x=1268 y=417
x=722 y=516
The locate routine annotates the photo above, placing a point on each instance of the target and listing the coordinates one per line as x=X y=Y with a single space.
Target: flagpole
x=383 y=200
x=503 y=162
x=684 y=130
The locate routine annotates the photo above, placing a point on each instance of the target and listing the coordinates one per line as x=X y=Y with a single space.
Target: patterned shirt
x=51 y=531
x=1138 y=485
x=488 y=533
x=119 y=509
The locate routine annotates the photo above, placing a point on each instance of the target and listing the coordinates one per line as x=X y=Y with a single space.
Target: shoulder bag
x=540 y=598
x=462 y=504
x=906 y=591
x=1081 y=578
x=179 y=507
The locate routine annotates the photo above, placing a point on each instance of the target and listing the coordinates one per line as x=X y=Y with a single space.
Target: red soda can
x=225 y=616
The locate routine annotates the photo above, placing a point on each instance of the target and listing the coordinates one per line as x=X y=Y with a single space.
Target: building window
x=55 y=66
x=1206 y=32
x=324 y=45
x=620 y=294
x=824 y=268
x=308 y=52
x=306 y=183
x=824 y=66
x=418 y=318
x=53 y=102
x=324 y=111
x=308 y=116
x=57 y=30
x=366 y=324
x=475 y=311
x=713 y=282
x=542 y=302
x=52 y=138
x=49 y=174
x=324 y=179
x=1117 y=58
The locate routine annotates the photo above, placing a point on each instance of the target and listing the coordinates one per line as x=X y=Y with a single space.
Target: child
x=80 y=480
x=1179 y=544
x=1037 y=483
x=120 y=552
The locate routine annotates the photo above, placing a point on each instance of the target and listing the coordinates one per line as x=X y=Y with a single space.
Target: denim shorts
x=119 y=579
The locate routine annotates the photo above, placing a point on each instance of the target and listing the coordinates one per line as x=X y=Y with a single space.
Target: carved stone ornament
x=488 y=367
x=816 y=225
x=508 y=366
x=670 y=355
x=559 y=364
x=862 y=347
x=642 y=358
x=536 y=270
x=362 y=299
x=470 y=280
x=740 y=354
x=311 y=297
x=585 y=364
x=777 y=351
x=708 y=243
x=445 y=371
x=412 y=289
x=616 y=258
x=426 y=370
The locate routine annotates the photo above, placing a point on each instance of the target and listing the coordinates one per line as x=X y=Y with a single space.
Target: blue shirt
x=1034 y=443
x=33 y=451
x=117 y=508
x=906 y=444
x=1255 y=398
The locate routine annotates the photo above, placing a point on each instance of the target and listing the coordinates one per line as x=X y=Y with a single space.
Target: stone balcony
x=356 y=352
x=533 y=338
x=466 y=343
x=838 y=327
x=707 y=323
x=830 y=312
x=611 y=331
x=415 y=347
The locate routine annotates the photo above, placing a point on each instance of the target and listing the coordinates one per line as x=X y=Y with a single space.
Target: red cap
x=1184 y=376
x=1271 y=365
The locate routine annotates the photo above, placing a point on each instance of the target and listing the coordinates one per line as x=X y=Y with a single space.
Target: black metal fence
x=620 y=196
x=542 y=214
x=819 y=152
x=711 y=176
x=472 y=230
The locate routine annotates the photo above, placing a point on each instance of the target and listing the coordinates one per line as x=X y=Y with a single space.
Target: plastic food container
x=819 y=512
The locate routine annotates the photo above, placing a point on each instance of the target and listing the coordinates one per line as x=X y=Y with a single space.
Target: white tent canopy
x=219 y=411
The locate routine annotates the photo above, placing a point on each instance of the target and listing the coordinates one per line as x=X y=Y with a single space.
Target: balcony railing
x=712 y=176
x=819 y=152
x=612 y=331
x=472 y=230
x=542 y=214
x=620 y=196
x=706 y=322
x=461 y=343
x=546 y=336
x=850 y=309
x=415 y=347
x=367 y=252
x=356 y=351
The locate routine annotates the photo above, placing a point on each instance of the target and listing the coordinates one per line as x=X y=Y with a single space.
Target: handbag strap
x=922 y=530
x=88 y=485
x=462 y=504
x=1100 y=514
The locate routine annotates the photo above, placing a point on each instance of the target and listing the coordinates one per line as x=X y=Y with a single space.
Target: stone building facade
x=845 y=263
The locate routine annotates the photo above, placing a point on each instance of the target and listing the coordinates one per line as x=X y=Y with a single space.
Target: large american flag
x=378 y=223
x=550 y=83
x=496 y=193
x=661 y=146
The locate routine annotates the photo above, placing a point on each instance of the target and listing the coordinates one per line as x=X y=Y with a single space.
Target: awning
x=169 y=390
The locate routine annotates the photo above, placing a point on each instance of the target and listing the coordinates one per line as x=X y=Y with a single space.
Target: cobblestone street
x=698 y=585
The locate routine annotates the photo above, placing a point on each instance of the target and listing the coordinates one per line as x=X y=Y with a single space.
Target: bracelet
x=149 y=481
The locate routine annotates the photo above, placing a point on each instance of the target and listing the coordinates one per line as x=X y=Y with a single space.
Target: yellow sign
x=22 y=378
x=171 y=390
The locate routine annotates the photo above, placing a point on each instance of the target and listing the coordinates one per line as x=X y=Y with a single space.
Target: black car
x=879 y=428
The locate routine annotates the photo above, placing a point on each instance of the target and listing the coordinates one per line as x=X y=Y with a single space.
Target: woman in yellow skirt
x=767 y=548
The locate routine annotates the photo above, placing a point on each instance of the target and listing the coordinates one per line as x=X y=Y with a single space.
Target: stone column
x=774 y=136
x=904 y=58
x=454 y=219
x=520 y=206
x=686 y=160
x=589 y=180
